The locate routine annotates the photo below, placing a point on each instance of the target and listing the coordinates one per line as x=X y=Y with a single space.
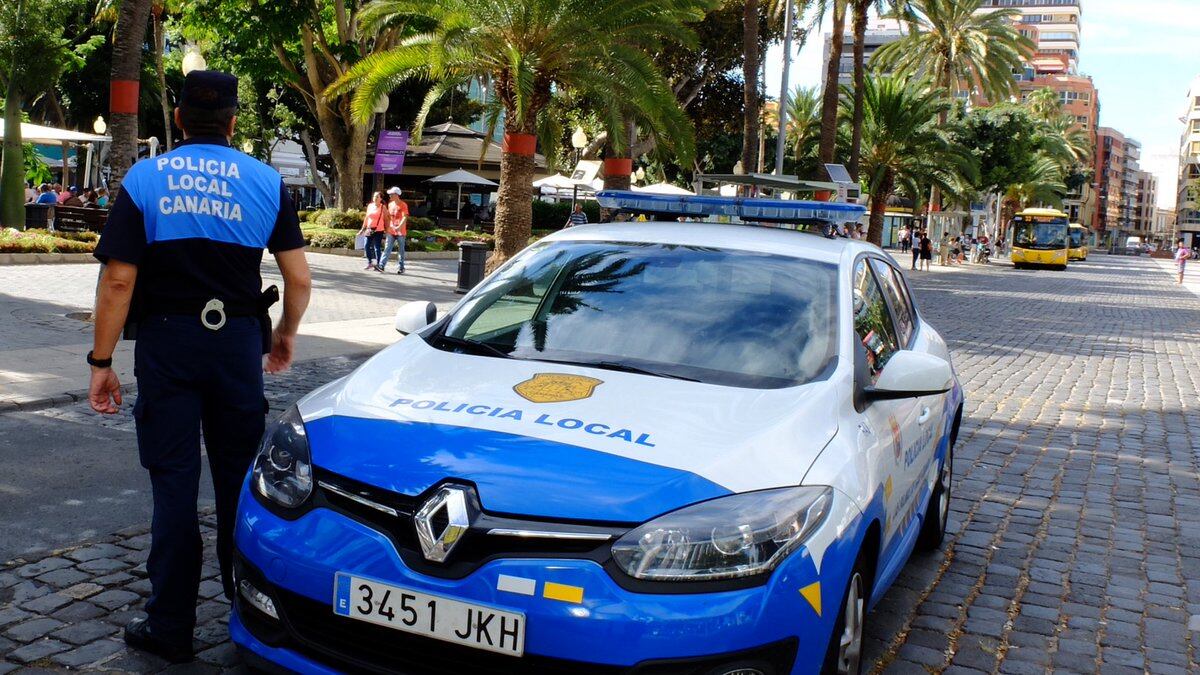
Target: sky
x=1142 y=57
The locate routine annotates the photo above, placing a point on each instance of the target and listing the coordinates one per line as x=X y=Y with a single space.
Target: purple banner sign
x=389 y=151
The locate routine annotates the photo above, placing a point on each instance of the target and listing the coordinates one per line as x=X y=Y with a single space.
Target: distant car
x=635 y=448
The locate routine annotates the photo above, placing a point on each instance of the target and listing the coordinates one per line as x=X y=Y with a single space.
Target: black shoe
x=378 y=269
x=400 y=271
x=138 y=636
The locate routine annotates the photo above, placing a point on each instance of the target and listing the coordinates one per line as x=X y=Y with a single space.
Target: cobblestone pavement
x=1075 y=534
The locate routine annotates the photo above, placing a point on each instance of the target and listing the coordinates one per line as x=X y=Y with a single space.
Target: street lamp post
x=579 y=141
x=193 y=60
x=99 y=126
x=380 y=109
x=780 y=142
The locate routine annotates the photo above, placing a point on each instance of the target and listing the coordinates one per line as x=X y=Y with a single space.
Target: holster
x=269 y=297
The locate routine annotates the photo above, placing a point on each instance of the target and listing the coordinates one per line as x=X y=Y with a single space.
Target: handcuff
x=217 y=306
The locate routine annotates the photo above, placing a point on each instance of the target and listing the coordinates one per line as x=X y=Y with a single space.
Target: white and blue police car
x=641 y=447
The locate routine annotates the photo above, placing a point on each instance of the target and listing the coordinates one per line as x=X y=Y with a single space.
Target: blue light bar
x=746 y=208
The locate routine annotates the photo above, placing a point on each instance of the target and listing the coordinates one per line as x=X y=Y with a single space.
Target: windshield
x=1039 y=235
x=1076 y=237
x=725 y=317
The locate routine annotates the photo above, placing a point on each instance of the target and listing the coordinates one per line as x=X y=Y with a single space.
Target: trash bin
x=37 y=216
x=472 y=256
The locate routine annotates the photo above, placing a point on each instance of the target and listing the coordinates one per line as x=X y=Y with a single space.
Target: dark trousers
x=374 y=246
x=916 y=252
x=191 y=378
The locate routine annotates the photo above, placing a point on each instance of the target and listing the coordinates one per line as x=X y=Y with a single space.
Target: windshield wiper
x=624 y=368
x=473 y=345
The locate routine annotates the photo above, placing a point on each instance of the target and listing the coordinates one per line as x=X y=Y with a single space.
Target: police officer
x=183 y=245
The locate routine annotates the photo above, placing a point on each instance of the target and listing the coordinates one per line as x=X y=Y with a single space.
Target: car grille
x=392 y=514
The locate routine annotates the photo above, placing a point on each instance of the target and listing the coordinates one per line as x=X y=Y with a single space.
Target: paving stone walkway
x=1075 y=534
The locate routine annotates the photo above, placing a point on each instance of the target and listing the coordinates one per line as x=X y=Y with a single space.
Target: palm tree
x=1043 y=185
x=904 y=146
x=859 y=13
x=959 y=47
x=804 y=126
x=126 y=74
x=531 y=50
x=831 y=94
x=751 y=127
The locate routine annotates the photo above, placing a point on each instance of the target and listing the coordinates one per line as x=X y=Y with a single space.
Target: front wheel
x=843 y=656
x=937 y=512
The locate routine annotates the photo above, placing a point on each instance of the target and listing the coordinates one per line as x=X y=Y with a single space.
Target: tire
x=843 y=656
x=937 y=511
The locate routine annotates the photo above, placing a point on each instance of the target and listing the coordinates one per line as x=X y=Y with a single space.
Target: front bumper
x=609 y=630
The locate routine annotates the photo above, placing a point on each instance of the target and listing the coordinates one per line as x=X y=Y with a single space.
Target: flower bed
x=41 y=241
x=418 y=240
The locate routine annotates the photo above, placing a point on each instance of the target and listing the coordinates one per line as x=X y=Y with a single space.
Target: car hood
x=550 y=440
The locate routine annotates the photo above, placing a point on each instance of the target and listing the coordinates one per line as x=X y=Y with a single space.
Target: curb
x=46 y=258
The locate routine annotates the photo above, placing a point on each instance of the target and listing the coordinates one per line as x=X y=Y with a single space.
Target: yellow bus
x=1040 y=239
x=1079 y=242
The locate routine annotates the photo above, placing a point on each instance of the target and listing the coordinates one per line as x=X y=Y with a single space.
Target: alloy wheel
x=850 y=645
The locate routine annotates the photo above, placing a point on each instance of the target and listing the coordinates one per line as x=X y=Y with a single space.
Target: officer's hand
x=280 y=357
x=104 y=393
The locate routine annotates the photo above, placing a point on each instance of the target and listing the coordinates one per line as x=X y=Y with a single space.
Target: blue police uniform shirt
x=195 y=221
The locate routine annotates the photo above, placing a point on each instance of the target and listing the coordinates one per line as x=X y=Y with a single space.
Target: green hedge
x=85 y=236
x=552 y=215
x=41 y=241
x=420 y=223
x=337 y=219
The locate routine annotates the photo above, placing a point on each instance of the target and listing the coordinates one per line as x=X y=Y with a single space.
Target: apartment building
x=1117 y=181
x=1164 y=229
x=1187 y=199
x=1053 y=25
x=879 y=33
x=1145 y=201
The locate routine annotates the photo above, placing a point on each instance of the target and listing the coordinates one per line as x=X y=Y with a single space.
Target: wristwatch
x=99 y=363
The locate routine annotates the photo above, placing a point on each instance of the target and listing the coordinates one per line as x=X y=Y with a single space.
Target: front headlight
x=735 y=536
x=283 y=468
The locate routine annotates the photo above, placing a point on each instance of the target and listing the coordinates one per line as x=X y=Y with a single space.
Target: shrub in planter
x=12 y=241
x=332 y=239
x=420 y=223
x=336 y=219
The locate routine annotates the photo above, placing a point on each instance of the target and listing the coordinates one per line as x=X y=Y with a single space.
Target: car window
x=736 y=318
x=872 y=322
x=902 y=312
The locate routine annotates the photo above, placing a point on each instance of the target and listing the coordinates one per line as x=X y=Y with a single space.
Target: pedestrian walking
x=905 y=239
x=916 y=249
x=184 y=254
x=926 y=245
x=577 y=217
x=1182 y=253
x=397 y=230
x=374 y=225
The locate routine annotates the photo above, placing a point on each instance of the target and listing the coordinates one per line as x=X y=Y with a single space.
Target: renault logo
x=442 y=521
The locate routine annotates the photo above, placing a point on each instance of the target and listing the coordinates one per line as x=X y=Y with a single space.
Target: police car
x=636 y=448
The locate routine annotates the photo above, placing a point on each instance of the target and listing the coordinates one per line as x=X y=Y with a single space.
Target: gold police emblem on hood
x=557 y=387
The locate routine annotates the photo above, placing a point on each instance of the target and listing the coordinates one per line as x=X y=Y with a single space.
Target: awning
x=561 y=182
x=35 y=133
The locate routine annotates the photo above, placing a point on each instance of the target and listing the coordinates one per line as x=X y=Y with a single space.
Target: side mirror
x=910 y=374
x=414 y=316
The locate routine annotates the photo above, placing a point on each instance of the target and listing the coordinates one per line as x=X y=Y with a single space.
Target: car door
x=892 y=424
x=921 y=436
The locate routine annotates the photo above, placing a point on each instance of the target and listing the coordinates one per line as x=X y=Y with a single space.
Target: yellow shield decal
x=556 y=388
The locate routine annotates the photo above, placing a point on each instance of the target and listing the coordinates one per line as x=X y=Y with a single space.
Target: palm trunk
x=514 y=198
x=160 y=45
x=750 y=101
x=130 y=33
x=860 y=33
x=12 y=172
x=879 y=200
x=829 y=102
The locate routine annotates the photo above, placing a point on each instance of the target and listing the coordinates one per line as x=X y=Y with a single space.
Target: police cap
x=209 y=90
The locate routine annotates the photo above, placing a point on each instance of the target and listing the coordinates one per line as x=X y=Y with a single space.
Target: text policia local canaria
x=518 y=415
x=214 y=184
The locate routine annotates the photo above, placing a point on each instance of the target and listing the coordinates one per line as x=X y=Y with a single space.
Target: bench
x=78 y=218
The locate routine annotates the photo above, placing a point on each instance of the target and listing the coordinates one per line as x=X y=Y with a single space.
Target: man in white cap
x=397 y=230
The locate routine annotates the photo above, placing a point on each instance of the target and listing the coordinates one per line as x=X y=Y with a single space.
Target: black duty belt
x=213 y=312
